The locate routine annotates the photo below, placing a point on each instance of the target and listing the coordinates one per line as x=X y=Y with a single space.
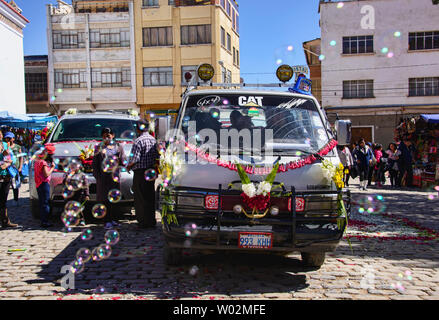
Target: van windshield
x=81 y=129
x=284 y=123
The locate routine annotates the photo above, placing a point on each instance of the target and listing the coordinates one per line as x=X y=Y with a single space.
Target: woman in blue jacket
x=363 y=158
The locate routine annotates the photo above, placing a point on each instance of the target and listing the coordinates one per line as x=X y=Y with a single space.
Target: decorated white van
x=252 y=171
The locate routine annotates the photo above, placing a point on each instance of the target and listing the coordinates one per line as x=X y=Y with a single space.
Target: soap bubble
x=150 y=175
x=322 y=57
x=99 y=211
x=77 y=266
x=193 y=270
x=83 y=254
x=67 y=193
x=397 y=34
x=128 y=134
x=112 y=237
x=190 y=230
x=86 y=234
x=75 y=182
x=114 y=196
x=73 y=207
x=70 y=219
x=74 y=165
x=371 y=204
x=99 y=290
x=333 y=43
x=117 y=173
x=340 y=5
x=101 y=252
x=109 y=163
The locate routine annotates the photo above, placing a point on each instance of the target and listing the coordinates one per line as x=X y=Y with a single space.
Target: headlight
x=274 y=210
x=237 y=209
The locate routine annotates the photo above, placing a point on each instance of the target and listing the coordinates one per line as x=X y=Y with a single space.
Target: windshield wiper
x=289 y=153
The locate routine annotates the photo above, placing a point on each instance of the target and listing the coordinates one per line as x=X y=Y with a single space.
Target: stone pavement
x=373 y=269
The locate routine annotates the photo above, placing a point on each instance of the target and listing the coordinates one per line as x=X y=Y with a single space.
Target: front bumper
x=290 y=231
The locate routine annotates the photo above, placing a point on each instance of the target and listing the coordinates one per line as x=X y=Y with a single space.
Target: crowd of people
x=370 y=162
x=144 y=156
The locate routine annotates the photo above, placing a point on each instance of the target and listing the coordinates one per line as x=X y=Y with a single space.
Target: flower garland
x=170 y=167
x=264 y=170
x=256 y=197
x=331 y=172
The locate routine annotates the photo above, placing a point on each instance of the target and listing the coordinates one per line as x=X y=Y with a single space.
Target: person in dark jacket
x=363 y=158
x=405 y=163
x=107 y=157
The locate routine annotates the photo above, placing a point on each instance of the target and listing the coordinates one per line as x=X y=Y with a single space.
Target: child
x=77 y=181
x=44 y=167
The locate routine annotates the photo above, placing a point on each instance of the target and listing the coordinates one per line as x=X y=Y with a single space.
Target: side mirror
x=163 y=125
x=343 y=130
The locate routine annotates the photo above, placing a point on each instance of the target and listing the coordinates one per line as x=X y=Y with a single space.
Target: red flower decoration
x=260 y=202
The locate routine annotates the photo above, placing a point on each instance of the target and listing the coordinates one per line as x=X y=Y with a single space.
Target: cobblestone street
x=395 y=255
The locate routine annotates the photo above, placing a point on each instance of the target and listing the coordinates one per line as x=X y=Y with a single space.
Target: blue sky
x=267 y=28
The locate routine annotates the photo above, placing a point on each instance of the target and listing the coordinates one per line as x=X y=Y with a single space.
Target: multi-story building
x=312 y=54
x=12 y=93
x=173 y=37
x=91 y=55
x=37 y=95
x=380 y=62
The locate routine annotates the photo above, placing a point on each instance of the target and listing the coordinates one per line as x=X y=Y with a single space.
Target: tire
x=313 y=259
x=172 y=256
x=35 y=208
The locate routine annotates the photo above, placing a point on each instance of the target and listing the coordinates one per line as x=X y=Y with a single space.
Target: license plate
x=255 y=240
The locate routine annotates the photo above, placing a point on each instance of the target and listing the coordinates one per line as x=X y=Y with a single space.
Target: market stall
x=423 y=132
x=27 y=130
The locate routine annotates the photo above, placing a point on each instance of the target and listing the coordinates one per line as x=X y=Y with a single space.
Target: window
x=150 y=3
x=229 y=76
x=228 y=7
x=360 y=44
x=171 y=2
x=106 y=38
x=111 y=77
x=155 y=37
x=234 y=55
x=237 y=57
x=229 y=42
x=200 y=34
x=424 y=86
x=68 y=39
x=36 y=86
x=191 y=69
x=223 y=4
x=223 y=37
x=157 y=77
x=357 y=89
x=223 y=74
x=237 y=23
x=424 y=40
x=233 y=19
x=70 y=78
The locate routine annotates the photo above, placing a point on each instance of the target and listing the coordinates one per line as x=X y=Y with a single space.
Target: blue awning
x=29 y=121
x=430 y=118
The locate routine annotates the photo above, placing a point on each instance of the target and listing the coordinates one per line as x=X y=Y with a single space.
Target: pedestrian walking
x=363 y=157
x=380 y=165
x=6 y=159
x=18 y=164
x=347 y=162
x=44 y=167
x=392 y=163
x=372 y=164
x=108 y=155
x=405 y=164
x=144 y=157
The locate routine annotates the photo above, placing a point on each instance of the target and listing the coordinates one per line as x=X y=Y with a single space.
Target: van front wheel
x=313 y=259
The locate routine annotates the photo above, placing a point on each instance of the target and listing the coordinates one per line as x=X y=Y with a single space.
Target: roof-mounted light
x=284 y=73
x=206 y=72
